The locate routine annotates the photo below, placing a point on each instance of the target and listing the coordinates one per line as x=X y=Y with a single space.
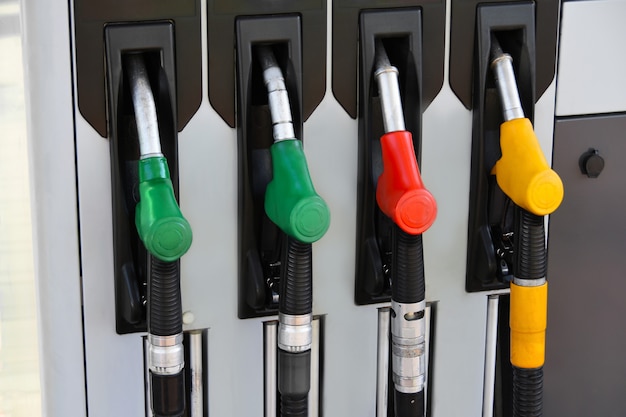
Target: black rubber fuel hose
x=296 y=299
x=407 y=268
x=530 y=245
x=165 y=319
x=296 y=284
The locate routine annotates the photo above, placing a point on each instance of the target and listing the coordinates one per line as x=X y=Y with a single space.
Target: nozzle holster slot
x=261 y=242
x=155 y=41
x=491 y=214
x=401 y=33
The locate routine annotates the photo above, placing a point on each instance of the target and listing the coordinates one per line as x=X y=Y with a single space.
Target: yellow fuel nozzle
x=523 y=172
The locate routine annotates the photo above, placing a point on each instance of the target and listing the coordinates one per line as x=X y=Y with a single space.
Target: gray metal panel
x=48 y=75
x=585 y=372
x=591 y=62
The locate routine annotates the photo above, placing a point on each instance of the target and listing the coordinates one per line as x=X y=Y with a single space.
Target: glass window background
x=19 y=364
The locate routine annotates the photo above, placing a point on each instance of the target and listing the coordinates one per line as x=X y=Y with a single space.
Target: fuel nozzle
x=401 y=195
x=400 y=192
x=523 y=172
x=167 y=236
x=525 y=177
x=160 y=223
x=293 y=205
x=291 y=201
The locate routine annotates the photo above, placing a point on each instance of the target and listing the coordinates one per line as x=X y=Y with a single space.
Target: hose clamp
x=408 y=346
x=521 y=282
x=166 y=355
x=295 y=332
x=165 y=340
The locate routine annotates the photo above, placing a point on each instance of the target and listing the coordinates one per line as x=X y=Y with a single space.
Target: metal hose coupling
x=295 y=332
x=166 y=355
x=408 y=346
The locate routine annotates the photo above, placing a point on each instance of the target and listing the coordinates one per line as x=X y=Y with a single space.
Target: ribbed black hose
x=530 y=245
x=296 y=281
x=407 y=268
x=527 y=392
x=296 y=298
x=165 y=316
x=291 y=406
x=294 y=383
x=408 y=404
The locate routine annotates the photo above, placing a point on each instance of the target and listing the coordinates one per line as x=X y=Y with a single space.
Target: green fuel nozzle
x=290 y=199
x=160 y=223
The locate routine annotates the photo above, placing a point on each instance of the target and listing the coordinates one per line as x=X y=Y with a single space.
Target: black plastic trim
x=222 y=15
x=345 y=38
x=90 y=19
x=462 y=41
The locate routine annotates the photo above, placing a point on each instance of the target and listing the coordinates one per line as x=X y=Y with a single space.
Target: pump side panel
x=585 y=365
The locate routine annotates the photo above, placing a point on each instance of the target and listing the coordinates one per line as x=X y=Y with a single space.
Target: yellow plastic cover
x=523 y=172
x=528 y=321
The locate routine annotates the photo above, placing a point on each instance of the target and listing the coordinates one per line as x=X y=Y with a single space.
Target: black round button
x=591 y=163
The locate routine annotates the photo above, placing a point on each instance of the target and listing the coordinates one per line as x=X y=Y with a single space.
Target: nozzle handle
x=160 y=224
x=523 y=172
x=290 y=198
x=400 y=192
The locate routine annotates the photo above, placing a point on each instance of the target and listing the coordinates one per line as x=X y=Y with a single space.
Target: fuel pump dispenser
x=160 y=108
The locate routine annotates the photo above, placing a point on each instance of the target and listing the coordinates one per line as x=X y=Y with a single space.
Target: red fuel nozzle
x=400 y=193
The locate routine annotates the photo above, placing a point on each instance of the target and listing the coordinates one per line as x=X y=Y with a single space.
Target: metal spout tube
x=278 y=98
x=145 y=107
x=386 y=76
x=502 y=66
